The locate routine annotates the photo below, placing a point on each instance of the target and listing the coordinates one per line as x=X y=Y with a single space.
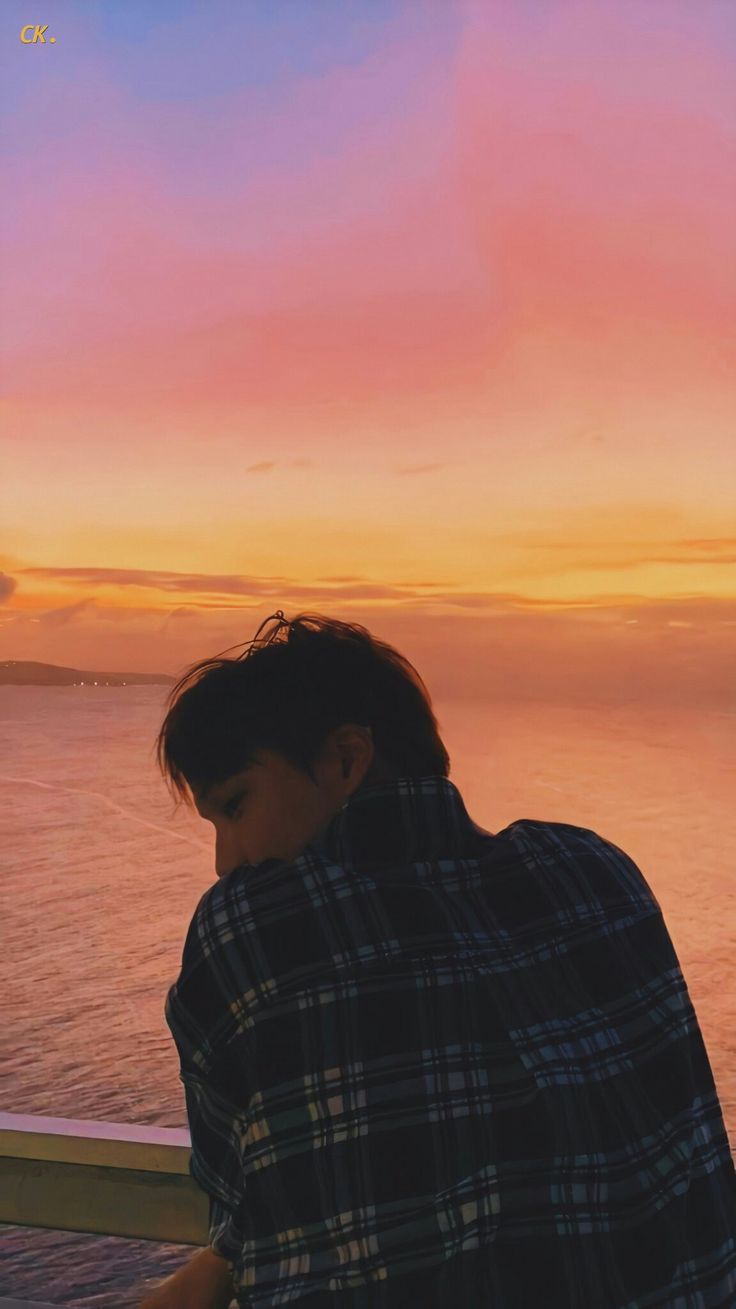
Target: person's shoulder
x=584 y=850
x=239 y=888
x=239 y=919
x=555 y=835
x=226 y=903
x=221 y=979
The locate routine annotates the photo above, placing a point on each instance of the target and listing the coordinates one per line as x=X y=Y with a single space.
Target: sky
x=418 y=315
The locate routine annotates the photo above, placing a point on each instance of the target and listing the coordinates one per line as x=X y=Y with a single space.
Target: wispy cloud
x=222 y=593
x=7 y=586
x=65 y=614
x=268 y=465
x=588 y=555
x=420 y=468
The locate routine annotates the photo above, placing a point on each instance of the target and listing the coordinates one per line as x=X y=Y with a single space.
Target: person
x=423 y=1063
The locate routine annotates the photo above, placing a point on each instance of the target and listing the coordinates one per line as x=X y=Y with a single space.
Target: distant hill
x=27 y=672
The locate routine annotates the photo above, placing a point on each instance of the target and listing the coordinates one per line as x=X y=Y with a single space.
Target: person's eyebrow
x=223 y=794
x=200 y=798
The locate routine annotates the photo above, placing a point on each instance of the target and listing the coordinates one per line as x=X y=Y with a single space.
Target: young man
x=423 y=1064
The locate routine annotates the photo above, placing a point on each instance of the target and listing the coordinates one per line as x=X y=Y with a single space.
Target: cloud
x=477 y=647
x=578 y=555
x=218 y=584
x=66 y=613
x=182 y=611
x=420 y=468
x=7 y=586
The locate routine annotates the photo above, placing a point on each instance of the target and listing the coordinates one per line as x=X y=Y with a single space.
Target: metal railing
x=107 y=1179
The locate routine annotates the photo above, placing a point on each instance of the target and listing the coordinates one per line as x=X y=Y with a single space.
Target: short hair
x=286 y=692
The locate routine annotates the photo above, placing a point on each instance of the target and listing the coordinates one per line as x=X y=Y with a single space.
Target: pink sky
x=421 y=317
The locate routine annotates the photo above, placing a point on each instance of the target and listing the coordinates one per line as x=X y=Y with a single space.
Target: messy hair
x=285 y=692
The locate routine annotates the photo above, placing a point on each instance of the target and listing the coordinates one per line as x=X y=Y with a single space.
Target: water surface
x=100 y=879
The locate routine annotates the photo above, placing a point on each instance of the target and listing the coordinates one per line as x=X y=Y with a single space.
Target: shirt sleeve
x=215 y=1164
x=199 y=1016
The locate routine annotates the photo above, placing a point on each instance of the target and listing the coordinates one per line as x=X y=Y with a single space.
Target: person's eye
x=231 y=807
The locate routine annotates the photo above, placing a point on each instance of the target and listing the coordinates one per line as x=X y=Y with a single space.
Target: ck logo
x=38 y=34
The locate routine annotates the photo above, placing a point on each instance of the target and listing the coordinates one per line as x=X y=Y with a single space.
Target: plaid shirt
x=429 y=1065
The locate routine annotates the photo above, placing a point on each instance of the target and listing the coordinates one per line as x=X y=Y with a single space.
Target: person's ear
x=347 y=738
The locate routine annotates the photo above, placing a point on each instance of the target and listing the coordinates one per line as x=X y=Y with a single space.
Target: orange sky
x=421 y=317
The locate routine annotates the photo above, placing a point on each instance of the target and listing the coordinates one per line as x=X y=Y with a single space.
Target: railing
x=108 y=1179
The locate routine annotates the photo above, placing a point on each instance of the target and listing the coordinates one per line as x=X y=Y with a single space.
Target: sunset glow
x=418 y=315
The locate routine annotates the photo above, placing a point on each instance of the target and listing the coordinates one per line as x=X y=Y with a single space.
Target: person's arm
x=198 y=1013
x=204 y=1283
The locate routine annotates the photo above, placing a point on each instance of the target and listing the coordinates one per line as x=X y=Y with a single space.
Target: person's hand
x=162 y=1298
x=204 y=1283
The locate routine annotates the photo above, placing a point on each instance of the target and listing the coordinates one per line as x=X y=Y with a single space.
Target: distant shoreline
x=28 y=672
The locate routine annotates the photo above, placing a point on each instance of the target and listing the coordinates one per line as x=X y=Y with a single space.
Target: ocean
x=100 y=878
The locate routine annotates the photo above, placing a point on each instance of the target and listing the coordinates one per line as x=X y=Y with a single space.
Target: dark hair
x=286 y=692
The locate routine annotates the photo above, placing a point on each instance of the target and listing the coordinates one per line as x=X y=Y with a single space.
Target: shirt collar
x=406 y=819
